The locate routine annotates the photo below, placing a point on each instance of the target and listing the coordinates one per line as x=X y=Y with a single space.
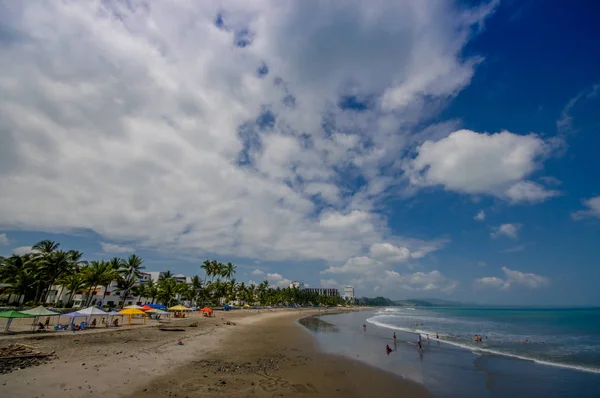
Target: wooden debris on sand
x=19 y=356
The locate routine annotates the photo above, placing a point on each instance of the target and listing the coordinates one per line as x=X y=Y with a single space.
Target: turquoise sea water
x=559 y=357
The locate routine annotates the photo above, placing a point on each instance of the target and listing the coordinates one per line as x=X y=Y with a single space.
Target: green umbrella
x=13 y=314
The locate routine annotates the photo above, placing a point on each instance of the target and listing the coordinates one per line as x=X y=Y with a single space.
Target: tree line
x=28 y=279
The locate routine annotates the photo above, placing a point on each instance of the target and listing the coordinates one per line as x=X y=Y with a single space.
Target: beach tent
x=92 y=311
x=13 y=314
x=72 y=315
x=226 y=307
x=113 y=314
x=146 y=308
x=157 y=306
x=179 y=308
x=246 y=306
x=131 y=312
x=206 y=309
x=38 y=312
x=156 y=311
x=136 y=307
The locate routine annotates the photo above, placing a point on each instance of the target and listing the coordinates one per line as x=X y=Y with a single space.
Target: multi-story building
x=325 y=291
x=348 y=292
x=108 y=295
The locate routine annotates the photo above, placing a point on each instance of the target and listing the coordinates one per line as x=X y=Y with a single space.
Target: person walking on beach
x=394 y=337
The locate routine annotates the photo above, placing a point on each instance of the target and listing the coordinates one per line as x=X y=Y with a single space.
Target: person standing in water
x=364 y=327
x=388 y=349
x=394 y=337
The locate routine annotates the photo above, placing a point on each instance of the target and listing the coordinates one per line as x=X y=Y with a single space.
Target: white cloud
x=480 y=216
x=21 y=250
x=329 y=283
x=480 y=163
x=389 y=252
x=257 y=272
x=177 y=144
x=3 y=239
x=506 y=230
x=356 y=265
x=277 y=280
x=490 y=281
x=592 y=209
x=114 y=248
x=513 y=277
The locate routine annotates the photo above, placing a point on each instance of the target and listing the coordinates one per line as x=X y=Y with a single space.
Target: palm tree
x=54 y=266
x=138 y=291
x=165 y=275
x=73 y=283
x=111 y=275
x=96 y=274
x=207 y=267
x=131 y=270
x=229 y=270
x=124 y=286
x=151 y=290
x=196 y=286
x=167 y=291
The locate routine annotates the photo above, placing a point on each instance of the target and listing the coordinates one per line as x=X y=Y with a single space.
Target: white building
x=348 y=292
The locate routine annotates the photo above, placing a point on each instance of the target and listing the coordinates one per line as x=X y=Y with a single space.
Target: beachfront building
x=324 y=291
x=109 y=295
x=348 y=292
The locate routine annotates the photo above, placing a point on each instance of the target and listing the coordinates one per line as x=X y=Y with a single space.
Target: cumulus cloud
x=3 y=239
x=480 y=163
x=513 y=277
x=114 y=248
x=127 y=124
x=278 y=280
x=257 y=272
x=21 y=250
x=592 y=209
x=480 y=216
x=329 y=283
x=356 y=265
x=506 y=230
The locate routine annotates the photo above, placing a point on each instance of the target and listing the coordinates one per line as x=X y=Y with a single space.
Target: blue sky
x=324 y=144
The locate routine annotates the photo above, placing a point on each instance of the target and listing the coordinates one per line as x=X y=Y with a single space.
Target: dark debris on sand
x=19 y=356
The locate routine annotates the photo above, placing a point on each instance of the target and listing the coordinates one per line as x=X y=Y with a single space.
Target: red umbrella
x=146 y=308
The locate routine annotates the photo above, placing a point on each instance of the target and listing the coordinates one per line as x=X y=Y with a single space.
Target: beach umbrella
x=246 y=306
x=227 y=307
x=146 y=308
x=131 y=312
x=137 y=307
x=179 y=308
x=13 y=314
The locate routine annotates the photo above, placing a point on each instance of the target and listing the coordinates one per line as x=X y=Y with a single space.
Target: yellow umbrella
x=131 y=312
x=179 y=308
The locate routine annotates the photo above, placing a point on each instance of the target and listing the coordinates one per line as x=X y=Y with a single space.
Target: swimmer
x=427 y=336
x=419 y=344
x=364 y=327
x=437 y=336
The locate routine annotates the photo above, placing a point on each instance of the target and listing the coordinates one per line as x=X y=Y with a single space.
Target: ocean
x=524 y=352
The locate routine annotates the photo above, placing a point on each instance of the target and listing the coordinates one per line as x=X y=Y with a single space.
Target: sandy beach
x=264 y=354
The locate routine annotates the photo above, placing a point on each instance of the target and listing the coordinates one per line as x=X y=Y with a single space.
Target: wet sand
x=262 y=355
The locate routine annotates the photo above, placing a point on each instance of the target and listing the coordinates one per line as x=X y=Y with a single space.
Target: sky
x=411 y=149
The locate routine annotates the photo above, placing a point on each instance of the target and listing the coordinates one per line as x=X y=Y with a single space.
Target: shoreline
x=263 y=354
x=488 y=351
